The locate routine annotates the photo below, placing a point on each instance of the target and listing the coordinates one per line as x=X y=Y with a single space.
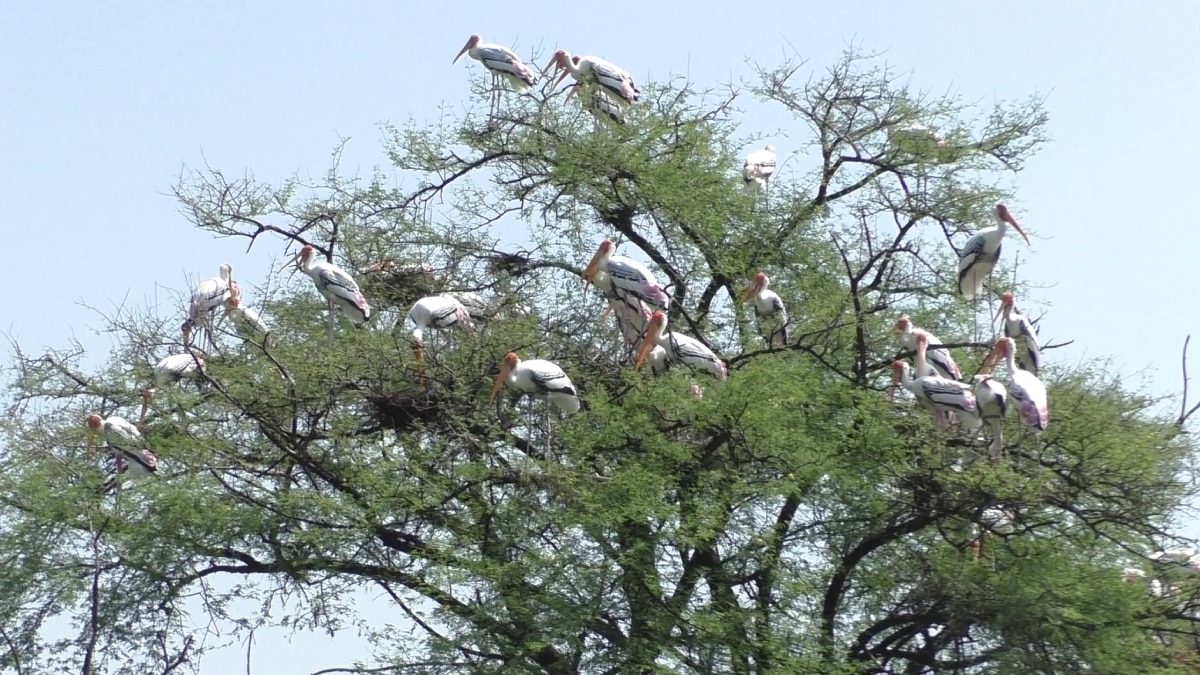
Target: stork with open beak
x=1020 y=328
x=769 y=308
x=593 y=71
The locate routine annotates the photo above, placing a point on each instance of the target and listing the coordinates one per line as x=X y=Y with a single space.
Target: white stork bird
x=124 y=443
x=502 y=63
x=680 y=348
x=624 y=278
x=759 y=167
x=603 y=106
x=1182 y=560
x=1026 y=389
x=940 y=394
x=172 y=369
x=769 y=308
x=336 y=285
x=994 y=520
x=541 y=379
x=438 y=312
x=595 y=71
x=992 y=400
x=978 y=257
x=1020 y=328
x=246 y=320
x=938 y=357
x=208 y=297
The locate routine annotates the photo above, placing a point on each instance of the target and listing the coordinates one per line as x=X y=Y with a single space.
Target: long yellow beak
x=461 y=52
x=648 y=342
x=748 y=293
x=504 y=371
x=895 y=385
x=561 y=76
x=992 y=359
x=589 y=273
x=553 y=62
x=91 y=442
x=1013 y=221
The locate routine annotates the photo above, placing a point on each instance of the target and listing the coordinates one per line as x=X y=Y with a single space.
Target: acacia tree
x=791 y=519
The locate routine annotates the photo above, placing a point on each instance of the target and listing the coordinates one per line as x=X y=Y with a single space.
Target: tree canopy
x=788 y=519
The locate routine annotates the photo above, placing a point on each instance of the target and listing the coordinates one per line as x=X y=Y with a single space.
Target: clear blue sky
x=101 y=104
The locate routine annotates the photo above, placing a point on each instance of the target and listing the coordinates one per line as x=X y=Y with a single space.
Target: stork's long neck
x=1010 y=361
x=920 y=358
x=661 y=337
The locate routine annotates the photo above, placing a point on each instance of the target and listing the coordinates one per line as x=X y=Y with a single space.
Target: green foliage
x=791 y=519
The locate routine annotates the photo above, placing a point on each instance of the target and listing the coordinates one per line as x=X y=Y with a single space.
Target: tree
x=791 y=519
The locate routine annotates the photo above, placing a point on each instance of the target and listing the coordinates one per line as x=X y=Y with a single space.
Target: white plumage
x=992 y=400
x=759 y=167
x=1020 y=328
x=1026 y=389
x=769 y=308
x=207 y=298
x=177 y=367
x=338 y=287
x=246 y=320
x=624 y=278
x=941 y=396
x=937 y=356
x=438 y=312
x=679 y=348
x=978 y=257
x=594 y=71
x=501 y=62
x=540 y=378
x=125 y=445
x=603 y=106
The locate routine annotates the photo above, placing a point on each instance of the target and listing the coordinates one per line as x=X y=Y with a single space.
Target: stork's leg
x=332 y=318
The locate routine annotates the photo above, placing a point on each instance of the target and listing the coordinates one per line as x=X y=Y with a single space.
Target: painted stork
x=1183 y=560
x=541 y=379
x=1020 y=328
x=124 y=443
x=603 y=106
x=993 y=520
x=208 y=297
x=939 y=394
x=759 y=167
x=336 y=285
x=978 y=257
x=938 y=357
x=438 y=312
x=624 y=278
x=246 y=320
x=595 y=71
x=502 y=63
x=631 y=321
x=680 y=348
x=171 y=369
x=1026 y=389
x=768 y=307
x=992 y=399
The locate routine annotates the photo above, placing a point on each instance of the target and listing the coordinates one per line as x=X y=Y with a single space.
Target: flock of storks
x=639 y=304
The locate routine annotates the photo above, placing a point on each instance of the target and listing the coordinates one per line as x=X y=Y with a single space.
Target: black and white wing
x=504 y=62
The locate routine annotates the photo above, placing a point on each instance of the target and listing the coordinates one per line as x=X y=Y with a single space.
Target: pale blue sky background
x=101 y=104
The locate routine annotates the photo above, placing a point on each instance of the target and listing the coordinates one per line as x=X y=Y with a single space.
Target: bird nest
x=405 y=411
x=392 y=285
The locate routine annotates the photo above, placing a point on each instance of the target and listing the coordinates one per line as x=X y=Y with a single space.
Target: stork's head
x=227 y=272
x=769 y=148
x=301 y=258
x=511 y=360
x=560 y=61
x=601 y=258
x=760 y=283
x=657 y=324
x=1008 y=302
x=1003 y=215
x=94 y=422
x=472 y=42
x=1003 y=348
x=903 y=324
